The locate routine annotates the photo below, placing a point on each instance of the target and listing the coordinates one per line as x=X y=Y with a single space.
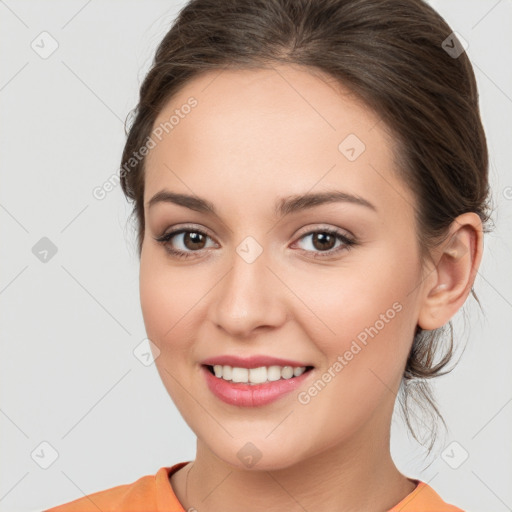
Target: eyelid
x=326 y=227
x=347 y=242
x=176 y=230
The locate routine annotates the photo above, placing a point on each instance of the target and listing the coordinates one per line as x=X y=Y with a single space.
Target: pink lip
x=252 y=361
x=248 y=395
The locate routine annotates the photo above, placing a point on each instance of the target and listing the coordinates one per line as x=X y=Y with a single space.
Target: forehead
x=276 y=131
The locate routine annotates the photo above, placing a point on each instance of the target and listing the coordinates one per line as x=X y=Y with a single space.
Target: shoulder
x=150 y=492
x=424 y=499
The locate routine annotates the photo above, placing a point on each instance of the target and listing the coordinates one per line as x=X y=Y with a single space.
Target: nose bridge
x=249 y=296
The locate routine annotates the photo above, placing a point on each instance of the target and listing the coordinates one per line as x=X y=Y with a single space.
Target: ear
x=456 y=263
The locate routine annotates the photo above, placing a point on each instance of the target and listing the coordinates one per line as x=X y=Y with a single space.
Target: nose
x=249 y=298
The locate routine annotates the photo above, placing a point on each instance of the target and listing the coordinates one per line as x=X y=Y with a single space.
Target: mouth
x=256 y=376
x=257 y=386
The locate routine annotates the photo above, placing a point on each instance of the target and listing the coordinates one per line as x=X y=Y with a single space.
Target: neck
x=356 y=475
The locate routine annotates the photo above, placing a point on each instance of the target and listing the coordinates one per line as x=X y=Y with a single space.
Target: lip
x=248 y=395
x=252 y=362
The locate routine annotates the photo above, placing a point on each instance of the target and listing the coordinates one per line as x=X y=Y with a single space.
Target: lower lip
x=248 y=395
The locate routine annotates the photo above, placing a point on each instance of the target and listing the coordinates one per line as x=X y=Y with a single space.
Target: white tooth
x=258 y=375
x=273 y=373
x=299 y=371
x=240 y=375
x=227 y=372
x=287 y=372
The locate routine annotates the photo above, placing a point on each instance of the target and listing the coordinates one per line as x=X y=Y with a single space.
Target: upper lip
x=251 y=362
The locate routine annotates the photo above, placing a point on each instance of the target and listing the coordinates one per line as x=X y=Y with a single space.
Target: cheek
x=155 y=300
x=166 y=295
x=366 y=309
x=373 y=322
x=174 y=303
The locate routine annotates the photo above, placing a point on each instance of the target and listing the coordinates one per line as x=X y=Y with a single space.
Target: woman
x=309 y=180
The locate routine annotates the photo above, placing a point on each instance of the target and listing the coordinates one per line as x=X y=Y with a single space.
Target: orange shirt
x=153 y=493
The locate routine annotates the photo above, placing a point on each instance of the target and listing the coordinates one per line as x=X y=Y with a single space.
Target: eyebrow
x=285 y=206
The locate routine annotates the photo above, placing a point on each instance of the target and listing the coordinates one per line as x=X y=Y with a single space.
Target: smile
x=258 y=375
x=252 y=387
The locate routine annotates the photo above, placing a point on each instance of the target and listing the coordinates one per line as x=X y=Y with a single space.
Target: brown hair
x=395 y=56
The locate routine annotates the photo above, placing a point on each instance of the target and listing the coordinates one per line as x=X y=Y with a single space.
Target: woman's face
x=266 y=278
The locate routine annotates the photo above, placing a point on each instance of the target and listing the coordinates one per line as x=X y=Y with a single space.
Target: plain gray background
x=69 y=376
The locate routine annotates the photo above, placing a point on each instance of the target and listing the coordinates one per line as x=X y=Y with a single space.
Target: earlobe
x=458 y=259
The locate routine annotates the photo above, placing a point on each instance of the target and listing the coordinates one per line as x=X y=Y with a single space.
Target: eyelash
x=165 y=239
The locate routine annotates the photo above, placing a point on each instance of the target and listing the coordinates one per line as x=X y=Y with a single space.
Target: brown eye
x=183 y=243
x=323 y=241
x=194 y=240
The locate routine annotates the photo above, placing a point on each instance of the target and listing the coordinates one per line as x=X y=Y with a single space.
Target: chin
x=258 y=456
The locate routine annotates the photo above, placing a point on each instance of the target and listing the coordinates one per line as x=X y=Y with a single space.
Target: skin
x=257 y=136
